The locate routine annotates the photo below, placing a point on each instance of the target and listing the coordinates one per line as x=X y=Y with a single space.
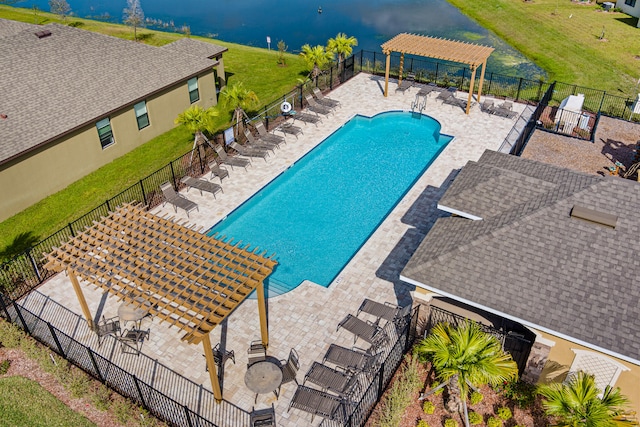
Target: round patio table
x=128 y=312
x=263 y=377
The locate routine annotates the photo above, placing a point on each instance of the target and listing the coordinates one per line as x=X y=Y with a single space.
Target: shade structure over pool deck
x=473 y=55
x=184 y=277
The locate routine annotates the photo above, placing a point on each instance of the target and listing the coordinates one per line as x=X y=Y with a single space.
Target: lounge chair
x=217 y=170
x=312 y=105
x=269 y=137
x=259 y=144
x=362 y=329
x=350 y=359
x=231 y=161
x=325 y=100
x=289 y=129
x=430 y=87
x=306 y=118
x=317 y=402
x=249 y=152
x=386 y=311
x=177 y=200
x=406 y=83
x=331 y=379
x=487 y=106
x=201 y=184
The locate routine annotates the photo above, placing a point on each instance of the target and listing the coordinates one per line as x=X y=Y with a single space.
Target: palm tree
x=238 y=98
x=576 y=403
x=316 y=58
x=196 y=119
x=342 y=46
x=465 y=357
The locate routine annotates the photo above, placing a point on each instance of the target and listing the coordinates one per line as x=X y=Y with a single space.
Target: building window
x=604 y=369
x=105 y=133
x=141 y=114
x=631 y=3
x=194 y=95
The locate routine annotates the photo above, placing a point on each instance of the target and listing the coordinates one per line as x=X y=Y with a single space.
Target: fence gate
x=515 y=339
x=347 y=68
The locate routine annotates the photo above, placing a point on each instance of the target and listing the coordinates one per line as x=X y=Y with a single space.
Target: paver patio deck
x=306 y=318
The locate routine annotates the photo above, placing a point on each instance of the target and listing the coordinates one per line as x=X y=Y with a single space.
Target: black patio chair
x=263 y=417
x=106 y=327
x=132 y=339
x=256 y=352
x=290 y=368
x=317 y=402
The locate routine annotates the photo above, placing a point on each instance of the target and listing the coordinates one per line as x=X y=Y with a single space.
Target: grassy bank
x=256 y=68
x=564 y=38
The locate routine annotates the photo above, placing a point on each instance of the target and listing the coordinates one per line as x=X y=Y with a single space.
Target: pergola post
x=386 y=74
x=211 y=365
x=484 y=66
x=471 y=84
x=81 y=299
x=262 y=311
x=401 y=68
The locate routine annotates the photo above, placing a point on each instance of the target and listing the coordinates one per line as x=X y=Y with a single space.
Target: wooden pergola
x=186 y=278
x=473 y=55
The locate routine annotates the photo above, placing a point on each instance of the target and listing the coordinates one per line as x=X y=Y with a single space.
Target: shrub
x=400 y=395
x=4 y=366
x=494 y=422
x=78 y=383
x=428 y=407
x=450 y=422
x=122 y=410
x=476 y=398
x=422 y=423
x=475 y=418
x=10 y=335
x=504 y=413
x=522 y=394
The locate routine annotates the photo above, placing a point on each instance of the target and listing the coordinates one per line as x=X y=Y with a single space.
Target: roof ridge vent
x=592 y=215
x=42 y=34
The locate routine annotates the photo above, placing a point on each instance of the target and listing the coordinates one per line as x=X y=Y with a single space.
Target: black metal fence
x=173 y=410
x=358 y=412
x=513 y=340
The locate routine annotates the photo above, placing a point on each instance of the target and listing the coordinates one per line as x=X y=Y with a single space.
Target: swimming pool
x=318 y=213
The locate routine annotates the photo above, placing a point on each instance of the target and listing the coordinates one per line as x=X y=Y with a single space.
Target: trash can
x=607 y=5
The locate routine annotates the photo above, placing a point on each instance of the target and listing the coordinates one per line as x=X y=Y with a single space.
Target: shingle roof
x=196 y=47
x=527 y=258
x=9 y=27
x=54 y=84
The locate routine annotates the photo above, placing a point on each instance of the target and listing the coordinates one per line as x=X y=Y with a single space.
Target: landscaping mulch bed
x=492 y=400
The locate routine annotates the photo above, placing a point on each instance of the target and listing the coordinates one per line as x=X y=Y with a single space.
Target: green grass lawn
x=563 y=38
x=24 y=403
x=256 y=68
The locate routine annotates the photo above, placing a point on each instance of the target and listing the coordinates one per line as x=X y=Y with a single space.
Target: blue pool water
x=319 y=212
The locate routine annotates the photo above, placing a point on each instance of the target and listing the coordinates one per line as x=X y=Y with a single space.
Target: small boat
x=319 y=9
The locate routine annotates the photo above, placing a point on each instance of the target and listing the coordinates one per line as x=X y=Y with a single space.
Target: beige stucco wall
x=561 y=357
x=49 y=169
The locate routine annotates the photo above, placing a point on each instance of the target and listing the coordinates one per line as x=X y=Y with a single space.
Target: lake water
x=297 y=22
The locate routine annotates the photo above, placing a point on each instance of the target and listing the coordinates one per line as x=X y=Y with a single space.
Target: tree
x=134 y=16
x=342 y=46
x=316 y=58
x=465 y=357
x=238 y=98
x=60 y=7
x=282 y=49
x=198 y=120
x=576 y=403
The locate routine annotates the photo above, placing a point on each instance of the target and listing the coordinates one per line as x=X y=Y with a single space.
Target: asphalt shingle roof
x=196 y=47
x=55 y=84
x=9 y=27
x=530 y=260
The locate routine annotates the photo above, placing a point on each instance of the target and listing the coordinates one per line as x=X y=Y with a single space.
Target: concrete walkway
x=306 y=318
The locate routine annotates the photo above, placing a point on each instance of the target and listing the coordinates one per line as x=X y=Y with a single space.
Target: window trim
x=192 y=87
x=141 y=118
x=631 y=3
x=106 y=122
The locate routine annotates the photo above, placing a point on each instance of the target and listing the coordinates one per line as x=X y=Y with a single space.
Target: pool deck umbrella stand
x=474 y=55
x=186 y=278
